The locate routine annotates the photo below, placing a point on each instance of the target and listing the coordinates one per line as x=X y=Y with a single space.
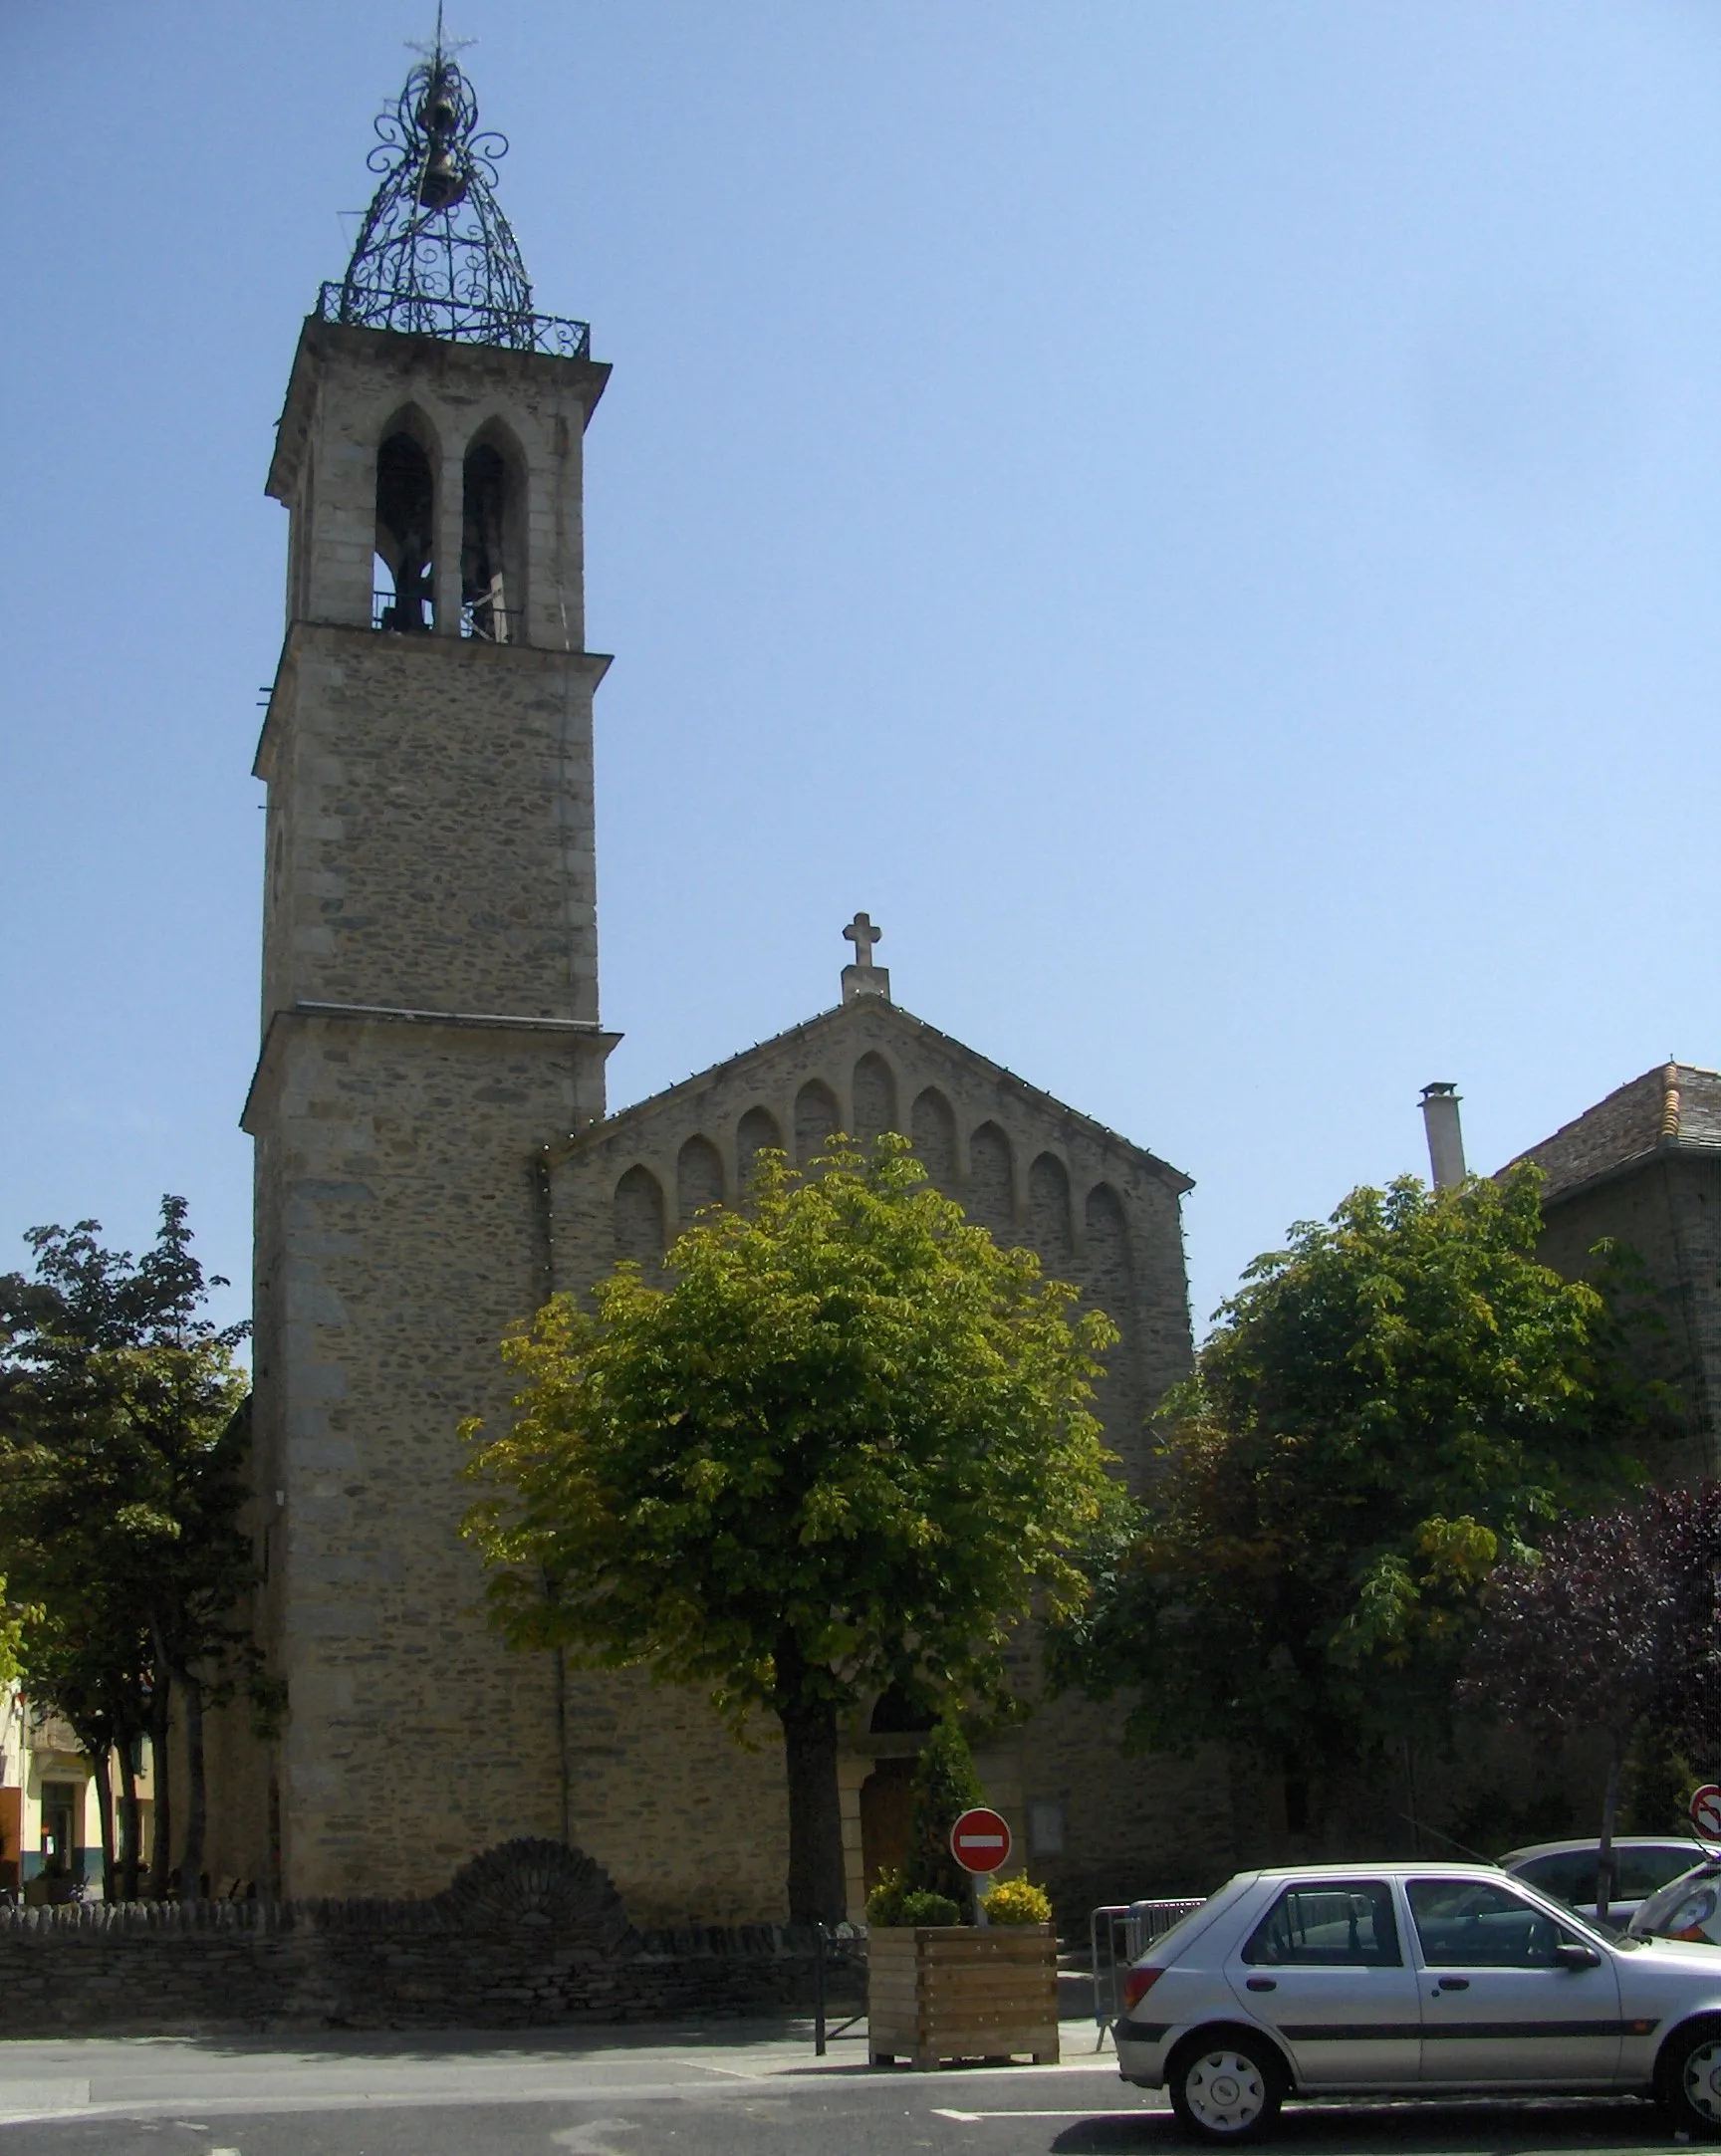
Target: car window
x=1569 y=1875
x=1472 y=1924
x=1332 y=1923
x=1646 y=1871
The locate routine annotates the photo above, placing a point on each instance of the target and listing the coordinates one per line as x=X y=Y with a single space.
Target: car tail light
x=1137 y=1982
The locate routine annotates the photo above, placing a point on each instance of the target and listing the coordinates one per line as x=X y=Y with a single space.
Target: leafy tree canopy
x=121 y=1442
x=1614 y=1626
x=1387 y=1408
x=842 y=1448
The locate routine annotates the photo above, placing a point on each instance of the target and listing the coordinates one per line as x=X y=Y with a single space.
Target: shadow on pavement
x=1363 y=2129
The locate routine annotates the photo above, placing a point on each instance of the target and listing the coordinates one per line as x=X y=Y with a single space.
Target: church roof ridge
x=887 y=1013
x=1673 y=1105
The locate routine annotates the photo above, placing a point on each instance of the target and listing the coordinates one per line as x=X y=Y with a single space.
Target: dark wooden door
x=886 y=1803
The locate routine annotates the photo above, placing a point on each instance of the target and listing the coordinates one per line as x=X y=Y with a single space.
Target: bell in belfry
x=443 y=183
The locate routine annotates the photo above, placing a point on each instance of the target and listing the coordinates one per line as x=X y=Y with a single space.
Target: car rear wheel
x=1225 y=2088
x=1689 y=2083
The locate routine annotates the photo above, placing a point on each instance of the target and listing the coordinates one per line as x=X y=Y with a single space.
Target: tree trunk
x=1605 y=1865
x=161 y=1854
x=1411 y=1796
x=817 y=1892
x=196 y=1788
x=102 y=1774
x=128 y=1822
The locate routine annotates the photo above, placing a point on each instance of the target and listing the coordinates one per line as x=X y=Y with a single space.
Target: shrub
x=1018 y=1901
x=893 y=1901
x=885 y=1903
x=924 y=1908
x=945 y=1787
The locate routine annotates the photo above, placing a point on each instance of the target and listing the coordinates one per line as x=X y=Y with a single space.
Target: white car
x=1642 y=1866
x=1412 y=1980
x=1690 y=1908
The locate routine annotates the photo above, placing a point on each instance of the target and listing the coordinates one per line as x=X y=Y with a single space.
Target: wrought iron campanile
x=436 y=256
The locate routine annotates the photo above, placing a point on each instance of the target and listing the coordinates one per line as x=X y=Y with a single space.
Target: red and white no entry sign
x=980 y=1840
x=1706 y=1811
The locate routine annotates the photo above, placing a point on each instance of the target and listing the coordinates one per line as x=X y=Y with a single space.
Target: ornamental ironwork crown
x=436 y=256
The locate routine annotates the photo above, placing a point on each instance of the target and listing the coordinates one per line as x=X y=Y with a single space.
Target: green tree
x=122 y=1435
x=945 y=1785
x=846 y=1445
x=1388 y=1408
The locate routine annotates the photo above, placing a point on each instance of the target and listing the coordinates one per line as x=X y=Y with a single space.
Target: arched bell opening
x=492 y=553
x=406 y=532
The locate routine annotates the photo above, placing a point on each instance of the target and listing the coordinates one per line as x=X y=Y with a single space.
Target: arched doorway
x=887 y=1793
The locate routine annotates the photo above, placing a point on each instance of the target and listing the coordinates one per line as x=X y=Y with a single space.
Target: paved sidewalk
x=138 y=2076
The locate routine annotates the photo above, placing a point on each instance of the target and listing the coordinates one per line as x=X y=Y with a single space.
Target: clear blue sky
x=1201 y=517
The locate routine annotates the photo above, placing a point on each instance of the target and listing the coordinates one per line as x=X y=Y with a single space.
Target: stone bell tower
x=429 y=1016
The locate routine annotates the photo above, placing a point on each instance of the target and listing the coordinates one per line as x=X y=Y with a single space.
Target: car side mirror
x=1569 y=1954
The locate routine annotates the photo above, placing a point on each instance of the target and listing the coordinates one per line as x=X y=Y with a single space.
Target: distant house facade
x=50 y=1823
x=1643 y=1167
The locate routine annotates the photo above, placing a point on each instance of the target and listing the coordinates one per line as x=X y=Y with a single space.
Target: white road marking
x=30 y=2099
x=583 y=2141
x=970 y=2118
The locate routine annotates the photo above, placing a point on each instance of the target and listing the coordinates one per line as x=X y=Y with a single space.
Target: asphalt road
x=677 y=2093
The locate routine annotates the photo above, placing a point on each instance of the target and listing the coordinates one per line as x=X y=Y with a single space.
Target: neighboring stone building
x=433 y=1155
x=1643 y=1167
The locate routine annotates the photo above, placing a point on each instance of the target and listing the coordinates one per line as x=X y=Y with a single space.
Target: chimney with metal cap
x=1445 y=1135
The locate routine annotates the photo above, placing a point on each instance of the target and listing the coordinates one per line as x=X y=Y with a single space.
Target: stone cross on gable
x=862 y=933
x=862 y=977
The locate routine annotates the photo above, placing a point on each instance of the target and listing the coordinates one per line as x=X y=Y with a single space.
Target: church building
x=435 y=1153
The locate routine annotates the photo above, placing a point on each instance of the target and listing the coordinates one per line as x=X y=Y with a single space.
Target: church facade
x=435 y=1155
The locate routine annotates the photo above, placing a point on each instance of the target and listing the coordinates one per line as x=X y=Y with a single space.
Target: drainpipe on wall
x=1445 y=1135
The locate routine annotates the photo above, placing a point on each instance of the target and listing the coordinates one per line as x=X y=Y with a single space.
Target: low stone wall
x=531 y=1934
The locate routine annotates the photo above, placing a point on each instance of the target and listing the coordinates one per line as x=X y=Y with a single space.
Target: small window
x=1045 y=1827
x=1332 y=1924
x=1470 y=1924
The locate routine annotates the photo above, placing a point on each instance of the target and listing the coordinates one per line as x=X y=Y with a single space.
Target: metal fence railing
x=1122 y=1933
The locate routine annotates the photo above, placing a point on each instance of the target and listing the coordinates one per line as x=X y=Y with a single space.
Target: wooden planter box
x=957 y=1991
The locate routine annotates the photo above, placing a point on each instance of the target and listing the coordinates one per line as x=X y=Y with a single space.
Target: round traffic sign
x=1706 y=1811
x=980 y=1840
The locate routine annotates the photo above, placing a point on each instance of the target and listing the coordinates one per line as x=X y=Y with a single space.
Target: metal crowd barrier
x=1122 y=1934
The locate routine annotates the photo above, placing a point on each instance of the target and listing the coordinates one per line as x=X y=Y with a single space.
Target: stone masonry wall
x=431 y=827
x=450 y=1962
x=1668 y=1207
x=400 y=1236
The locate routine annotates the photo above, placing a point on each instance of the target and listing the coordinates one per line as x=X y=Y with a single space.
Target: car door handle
x=1453 y=1984
x=1260 y=1984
